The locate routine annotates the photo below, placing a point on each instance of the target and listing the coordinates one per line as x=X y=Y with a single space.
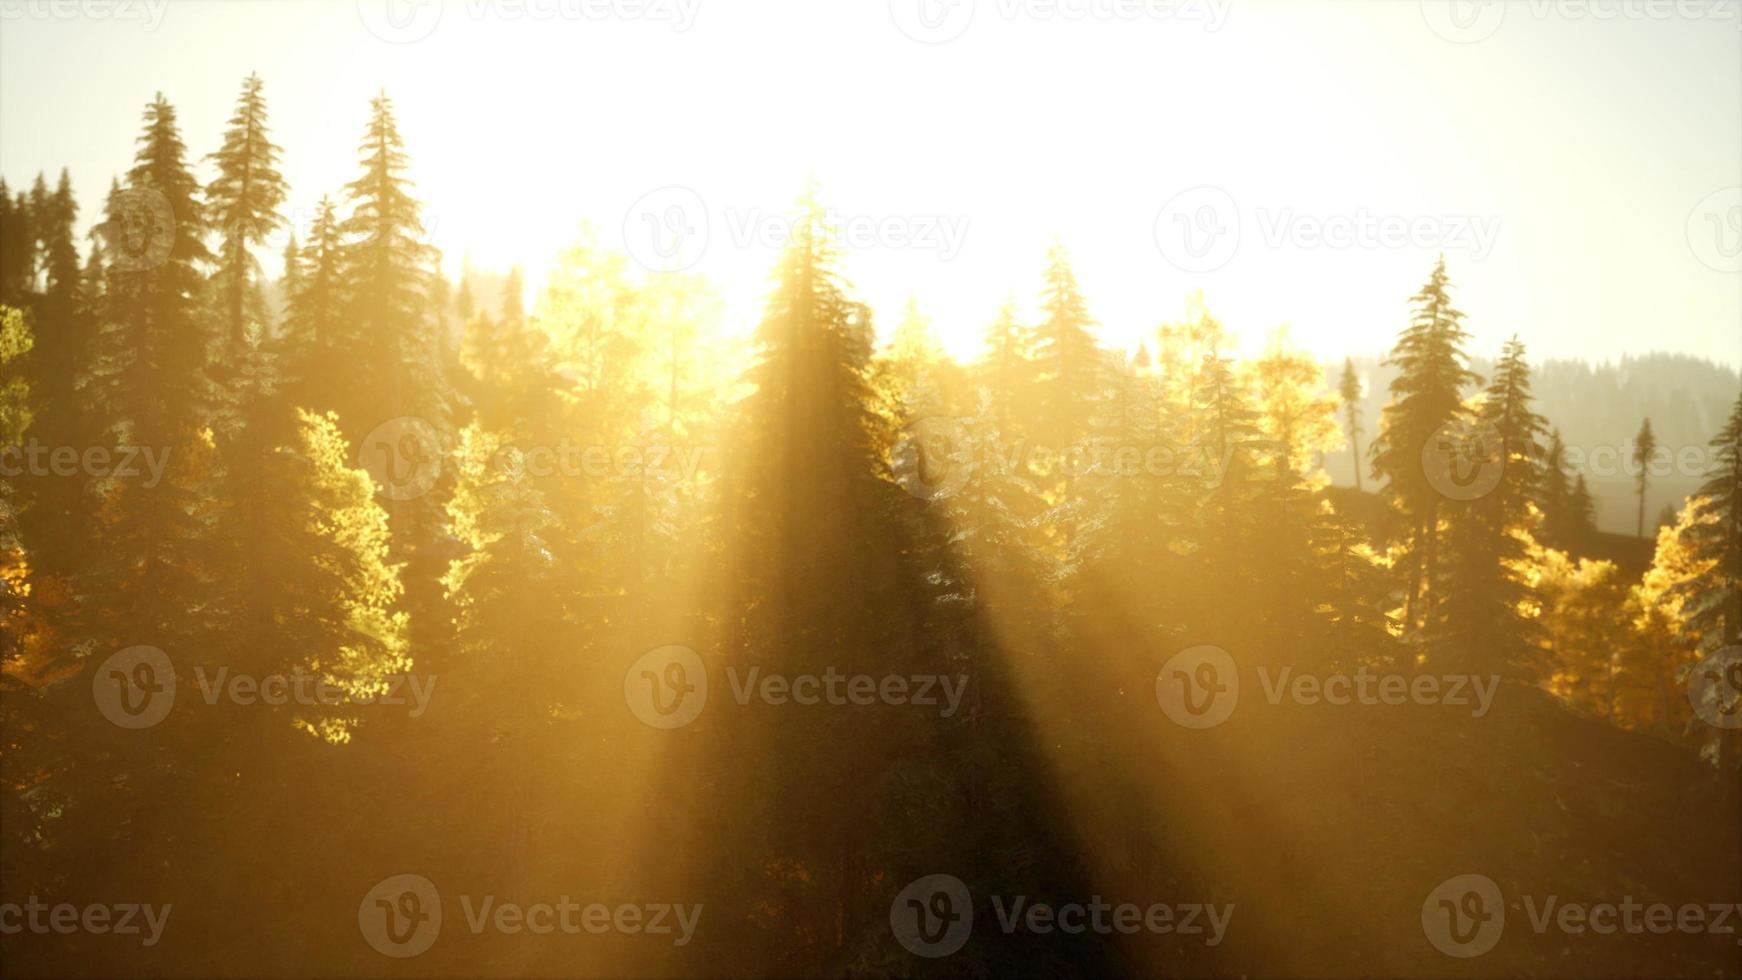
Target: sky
x=1578 y=162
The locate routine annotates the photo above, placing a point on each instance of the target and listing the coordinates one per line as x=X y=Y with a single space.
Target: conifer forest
x=902 y=488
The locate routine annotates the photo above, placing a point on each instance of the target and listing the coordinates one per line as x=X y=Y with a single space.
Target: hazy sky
x=1301 y=162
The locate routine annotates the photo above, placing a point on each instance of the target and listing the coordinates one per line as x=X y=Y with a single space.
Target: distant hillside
x=1598 y=410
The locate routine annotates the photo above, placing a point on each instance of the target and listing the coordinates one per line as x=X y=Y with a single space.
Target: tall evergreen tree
x=1644 y=454
x=1426 y=396
x=1349 y=390
x=1480 y=624
x=1714 y=603
x=150 y=390
x=390 y=341
x=314 y=322
x=1067 y=362
x=244 y=200
x=1557 y=492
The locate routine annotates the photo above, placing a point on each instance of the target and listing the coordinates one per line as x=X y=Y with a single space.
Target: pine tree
x=17 y=247
x=517 y=654
x=1582 y=508
x=1714 y=603
x=1297 y=417
x=1644 y=454
x=390 y=336
x=820 y=581
x=150 y=390
x=513 y=298
x=244 y=200
x=1425 y=397
x=155 y=341
x=1068 y=364
x=1556 y=498
x=303 y=582
x=1349 y=390
x=1479 y=624
x=60 y=255
x=390 y=358
x=314 y=309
